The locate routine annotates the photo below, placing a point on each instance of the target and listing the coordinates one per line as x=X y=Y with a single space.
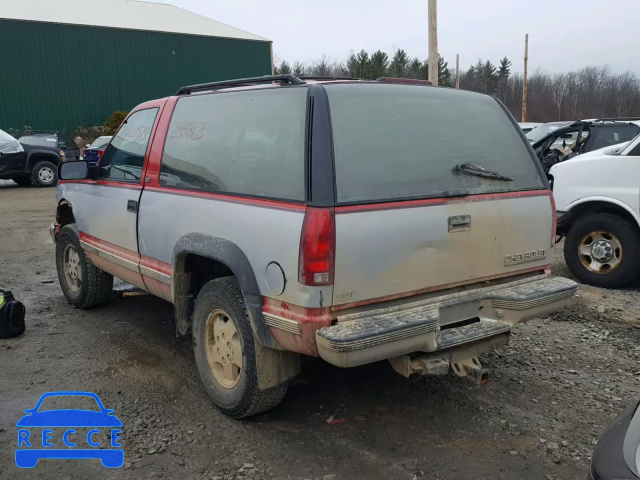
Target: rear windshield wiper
x=471 y=169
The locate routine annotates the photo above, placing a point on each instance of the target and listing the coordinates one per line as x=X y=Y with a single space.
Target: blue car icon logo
x=36 y=435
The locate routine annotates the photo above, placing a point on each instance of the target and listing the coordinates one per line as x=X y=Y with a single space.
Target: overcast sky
x=563 y=34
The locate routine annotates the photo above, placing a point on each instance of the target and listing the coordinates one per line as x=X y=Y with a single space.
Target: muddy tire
x=603 y=249
x=44 y=174
x=84 y=284
x=225 y=352
x=22 y=181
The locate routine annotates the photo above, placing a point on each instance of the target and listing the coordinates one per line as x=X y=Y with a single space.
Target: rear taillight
x=100 y=152
x=317 y=247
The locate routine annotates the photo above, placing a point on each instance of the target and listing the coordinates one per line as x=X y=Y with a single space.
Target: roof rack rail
x=323 y=77
x=620 y=119
x=31 y=132
x=286 y=78
x=408 y=81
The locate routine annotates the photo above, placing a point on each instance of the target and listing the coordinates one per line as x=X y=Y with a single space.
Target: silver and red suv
x=357 y=221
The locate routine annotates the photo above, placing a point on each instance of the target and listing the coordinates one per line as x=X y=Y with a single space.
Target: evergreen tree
x=352 y=66
x=379 y=64
x=399 y=64
x=444 y=74
x=413 y=69
x=284 y=68
x=505 y=68
x=363 y=65
x=298 y=69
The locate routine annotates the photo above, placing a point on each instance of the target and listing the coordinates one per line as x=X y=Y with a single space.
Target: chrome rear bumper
x=442 y=323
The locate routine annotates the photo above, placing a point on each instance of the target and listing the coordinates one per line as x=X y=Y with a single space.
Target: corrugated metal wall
x=60 y=77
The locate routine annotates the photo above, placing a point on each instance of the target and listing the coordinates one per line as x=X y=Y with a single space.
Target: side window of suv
x=123 y=159
x=247 y=143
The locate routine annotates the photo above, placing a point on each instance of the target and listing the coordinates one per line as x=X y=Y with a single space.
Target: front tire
x=225 y=351
x=603 y=249
x=44 y=174
x=84 y=284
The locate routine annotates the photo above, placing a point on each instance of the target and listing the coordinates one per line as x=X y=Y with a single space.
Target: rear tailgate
x=407 y=220
x=413 y=247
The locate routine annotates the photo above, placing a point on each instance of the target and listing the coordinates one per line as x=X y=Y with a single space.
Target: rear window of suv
x=40 y=140
x=248 y=142
x=395 y=142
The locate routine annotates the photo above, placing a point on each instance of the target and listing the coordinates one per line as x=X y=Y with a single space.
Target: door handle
x=132 y=206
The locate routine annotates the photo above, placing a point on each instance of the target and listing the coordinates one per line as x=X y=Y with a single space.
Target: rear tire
x=219 y=310
x=22 y=181
x=44 y=174
x=616 y=263
x=84 y=284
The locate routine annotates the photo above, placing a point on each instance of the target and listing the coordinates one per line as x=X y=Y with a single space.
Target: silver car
x=357 y=221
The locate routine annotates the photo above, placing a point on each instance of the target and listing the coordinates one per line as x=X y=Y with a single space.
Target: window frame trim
x=145 y=161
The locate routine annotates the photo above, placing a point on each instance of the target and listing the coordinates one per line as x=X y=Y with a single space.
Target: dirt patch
x=558 y=384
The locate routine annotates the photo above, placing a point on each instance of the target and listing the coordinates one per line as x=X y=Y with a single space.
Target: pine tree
x=379 y=64
x=399 y=64
x=505 y=68
x=298 y=69
x=413 y=69
x=444 y=74
x=363 y=65
x=284 y=68
x=352 y=66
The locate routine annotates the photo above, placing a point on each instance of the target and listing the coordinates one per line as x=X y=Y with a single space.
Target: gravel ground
x=553 y=391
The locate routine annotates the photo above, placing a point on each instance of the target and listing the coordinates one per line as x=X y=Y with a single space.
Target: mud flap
x=275 y=366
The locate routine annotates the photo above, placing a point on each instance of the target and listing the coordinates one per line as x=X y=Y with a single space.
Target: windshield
x=100 y=142
x=542 y=131
x=399 y=141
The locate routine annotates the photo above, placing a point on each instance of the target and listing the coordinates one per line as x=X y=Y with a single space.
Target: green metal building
x=71 y=63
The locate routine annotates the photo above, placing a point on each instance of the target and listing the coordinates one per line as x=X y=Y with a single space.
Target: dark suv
x=38 y=163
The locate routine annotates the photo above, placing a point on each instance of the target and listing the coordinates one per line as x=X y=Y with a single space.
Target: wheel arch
x=591 y=205
x=64 y=213
x=37 y=155
x=199 y=258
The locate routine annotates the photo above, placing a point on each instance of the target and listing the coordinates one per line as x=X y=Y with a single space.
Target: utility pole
x=433 y=42
x=458 y=71
x=524 y=83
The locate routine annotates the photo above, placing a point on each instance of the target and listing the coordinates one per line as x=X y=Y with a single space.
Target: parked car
x=617 y=455
x=94 y=151
x=581 y=137
x=38 y=161
x=598 y=213
x=528 y=126
x=384 y=228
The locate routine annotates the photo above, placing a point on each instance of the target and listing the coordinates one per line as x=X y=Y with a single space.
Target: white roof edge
x=122 y=14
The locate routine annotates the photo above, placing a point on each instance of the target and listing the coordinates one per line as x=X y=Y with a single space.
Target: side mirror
x=87 y=145
x=73 y=170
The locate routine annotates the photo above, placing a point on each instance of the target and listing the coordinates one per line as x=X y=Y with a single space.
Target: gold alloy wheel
x=224 y=351
x=600 y=252
x=72 y=268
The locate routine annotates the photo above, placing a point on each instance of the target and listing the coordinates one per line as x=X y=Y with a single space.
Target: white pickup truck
x=598 y=206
